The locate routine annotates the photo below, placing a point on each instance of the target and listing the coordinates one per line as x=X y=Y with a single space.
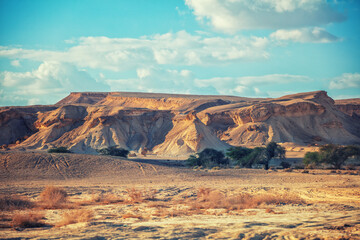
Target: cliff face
x=178 y=124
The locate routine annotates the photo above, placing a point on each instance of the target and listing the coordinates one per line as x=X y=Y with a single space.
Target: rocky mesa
x=174 y=124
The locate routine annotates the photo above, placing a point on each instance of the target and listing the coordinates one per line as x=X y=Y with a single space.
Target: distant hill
x=174 y=124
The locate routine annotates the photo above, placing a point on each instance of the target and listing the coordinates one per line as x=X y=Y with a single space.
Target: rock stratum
x=174 y=125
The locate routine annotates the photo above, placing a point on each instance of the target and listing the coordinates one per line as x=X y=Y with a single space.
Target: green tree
x=337 y=155
x=114 y=151
x=312 y=159
x=239 y=155
x=59 y=150
x=247 y=157
x=207 y=158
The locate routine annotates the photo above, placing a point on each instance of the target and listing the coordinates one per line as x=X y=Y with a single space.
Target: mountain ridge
x=176 y=124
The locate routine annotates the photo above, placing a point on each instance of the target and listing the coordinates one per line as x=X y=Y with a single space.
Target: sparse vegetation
x=59 y=150
x=332 y=154
x=114 y=151
x=246 y=157
x=208 y=158
x=75 y=216
x=9 y=203
x=53 y=197
x=28 y=220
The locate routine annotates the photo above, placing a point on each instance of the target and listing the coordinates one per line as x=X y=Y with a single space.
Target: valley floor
x=159 y=199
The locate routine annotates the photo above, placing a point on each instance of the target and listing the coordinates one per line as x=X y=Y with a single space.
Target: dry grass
x=131 y=215
x=10 y=203
x=212 y=199
x=138 y=196
x=101 y=199
x=53 y=197
x=75 y=216
x=28 y=220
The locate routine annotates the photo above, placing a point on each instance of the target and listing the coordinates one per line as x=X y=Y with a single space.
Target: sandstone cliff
x=169 y=124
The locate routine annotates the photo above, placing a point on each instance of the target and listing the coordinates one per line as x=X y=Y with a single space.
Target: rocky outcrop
x=167 y=124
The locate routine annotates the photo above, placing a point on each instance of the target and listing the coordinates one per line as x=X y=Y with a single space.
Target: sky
x=258 y=48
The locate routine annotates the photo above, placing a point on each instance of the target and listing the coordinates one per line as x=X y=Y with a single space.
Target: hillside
x=174 y=124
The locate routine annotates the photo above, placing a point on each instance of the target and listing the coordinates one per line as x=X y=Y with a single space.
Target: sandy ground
x=329 y=206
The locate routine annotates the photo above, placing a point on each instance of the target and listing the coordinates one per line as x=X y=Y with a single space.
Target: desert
x=181 y=119
x=155 y=194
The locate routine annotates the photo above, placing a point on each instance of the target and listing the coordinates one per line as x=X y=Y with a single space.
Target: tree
x=247 y=157
x=114 y=151
x=207 y=158
x=238 y=154
x=312 y=159
x=337 y=155
x=59 y=150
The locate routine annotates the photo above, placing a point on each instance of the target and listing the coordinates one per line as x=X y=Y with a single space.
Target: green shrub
x=312 y=159
x=247 y=157
x=285 y=164
x=114 y=151
x=207 y=158
x=332 y=154
x=59 y=150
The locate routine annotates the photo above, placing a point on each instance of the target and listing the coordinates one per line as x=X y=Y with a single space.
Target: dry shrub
x=75 y=216
x=53 y=197
x=131 y=215
x=138 y=196
x=28 y=220
x=101 y=199
x=9 y=203
x=210 y=199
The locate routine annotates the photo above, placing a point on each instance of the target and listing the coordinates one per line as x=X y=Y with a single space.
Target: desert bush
x=59 y=150
x=28 y=220
x=9 y=203
x=210 y=199
x=75 y=216
x=238 y=154
x=207 y=158
x=312 y=159
x=114 y=151
x=285 y=164
x=53 y=197
x=138 y=196
x=332 y=154
x=260 y=155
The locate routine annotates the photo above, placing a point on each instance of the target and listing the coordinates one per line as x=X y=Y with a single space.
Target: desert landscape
x=155 y=194
x=181 y=119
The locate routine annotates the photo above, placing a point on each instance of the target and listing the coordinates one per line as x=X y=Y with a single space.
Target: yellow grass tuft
x=75 y=216
x=53 y=197
x=28 y=220
x=10 y=203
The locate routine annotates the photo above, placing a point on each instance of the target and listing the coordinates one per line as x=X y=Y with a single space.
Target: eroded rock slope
x=169 y=124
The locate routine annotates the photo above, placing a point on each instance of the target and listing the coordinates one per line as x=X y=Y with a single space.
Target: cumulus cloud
x=15 y=63
x=231 y=16
x=47 y=84
x=179 y=48
x=154 y=79
x=303 y=35
x=249 y=85
x=346 y=80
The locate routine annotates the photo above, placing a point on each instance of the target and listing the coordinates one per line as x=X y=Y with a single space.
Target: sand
x=329 y=206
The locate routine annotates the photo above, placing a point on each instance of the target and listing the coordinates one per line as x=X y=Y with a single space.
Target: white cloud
x=179 y=48
x=231 y=16
x=48 y=83
x=15 y=63
x=249 y=85
x=157 y=80
x=303 y=35
x=347 y=80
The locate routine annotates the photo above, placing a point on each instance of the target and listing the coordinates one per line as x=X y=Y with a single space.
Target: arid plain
x=114 y=198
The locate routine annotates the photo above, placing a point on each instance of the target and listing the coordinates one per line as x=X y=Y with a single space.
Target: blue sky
x=259 y=48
